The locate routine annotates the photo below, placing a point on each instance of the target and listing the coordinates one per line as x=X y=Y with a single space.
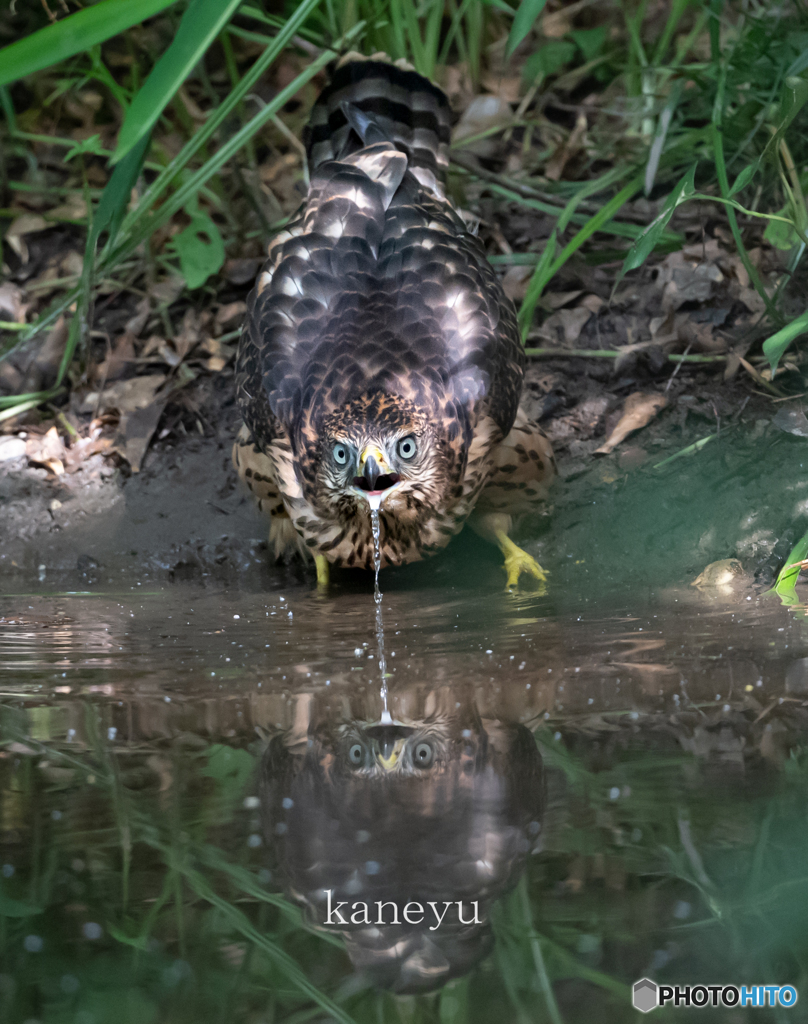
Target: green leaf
x=780 y=235
x=200 y=249
x=201 y=23
x=116 y=195
x=645 y=243
x=536 y=285
x=91 y=146
x=74 y=34
x=548 y=59
x=590 y=40
x=523 y=21
x=775 y=346
x=744 y=178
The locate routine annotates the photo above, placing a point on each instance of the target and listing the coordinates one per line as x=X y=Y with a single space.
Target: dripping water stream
x=375 y=522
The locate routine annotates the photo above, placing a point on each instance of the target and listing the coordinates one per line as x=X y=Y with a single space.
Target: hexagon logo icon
x=644 y=995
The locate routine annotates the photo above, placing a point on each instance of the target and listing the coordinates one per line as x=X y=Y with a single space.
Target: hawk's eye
x=356 y=755
x=423 y=755
x=340 y=454
x=407 y=447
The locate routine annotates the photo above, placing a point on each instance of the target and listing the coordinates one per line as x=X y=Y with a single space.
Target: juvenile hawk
x=380 y=360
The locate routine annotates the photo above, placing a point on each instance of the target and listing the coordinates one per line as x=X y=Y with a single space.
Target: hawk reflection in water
x=380 y=361
x=440 y=809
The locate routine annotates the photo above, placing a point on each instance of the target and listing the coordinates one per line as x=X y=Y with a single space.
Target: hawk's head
x=383 y=450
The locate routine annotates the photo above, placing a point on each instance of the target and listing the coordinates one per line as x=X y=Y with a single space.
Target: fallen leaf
x=125 y=395
x=792 y=421
x=11 y=304
x=555 y=300
x=232 y=314
x=47 y=450
x=515 y=282
x=639 y=409
x=189 y=336
x=505 y=87
x=117 y=361
x=74 y=209
x=482 y=114
x=136 y=323
x=135 y=431
x=594 y=303
x=568 y=149
x=167 y=291
x=241 y=271
x=573 y=322
x=27 y=224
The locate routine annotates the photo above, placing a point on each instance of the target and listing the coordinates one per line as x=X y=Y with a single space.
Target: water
x=612 y=785
x=375 y=524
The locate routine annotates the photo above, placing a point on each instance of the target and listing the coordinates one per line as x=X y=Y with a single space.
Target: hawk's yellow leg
x=518 y=561
x=321 y=562
x=494 y=527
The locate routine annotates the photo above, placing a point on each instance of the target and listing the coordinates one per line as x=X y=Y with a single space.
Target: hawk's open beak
x=375 y=473
x=389 y=751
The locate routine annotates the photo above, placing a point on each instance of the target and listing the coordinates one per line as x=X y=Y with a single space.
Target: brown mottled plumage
x=380 y=355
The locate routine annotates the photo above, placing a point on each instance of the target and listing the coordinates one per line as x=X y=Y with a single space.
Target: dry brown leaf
x=125 y=395
x=47 y=450
x=241 y=271
x=555 y=300
x=515 y=282
x=136 y=323
x=230 y=315
x=117 y=361
x=483 y=113
x=135 y=431
x=507 y=87
x=639 y=409
x=568 y=149
x=594 y=303
x=11 y=304
x=167 y=291
x=26 y=224
x=573 y=322
x=74 y=209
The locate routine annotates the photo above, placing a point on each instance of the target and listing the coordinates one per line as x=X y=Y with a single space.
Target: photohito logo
x=646 y=995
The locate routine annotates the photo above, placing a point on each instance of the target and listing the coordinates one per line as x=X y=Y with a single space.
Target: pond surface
x=576 y=793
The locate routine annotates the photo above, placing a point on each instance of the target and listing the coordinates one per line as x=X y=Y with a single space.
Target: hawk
x=380 y=363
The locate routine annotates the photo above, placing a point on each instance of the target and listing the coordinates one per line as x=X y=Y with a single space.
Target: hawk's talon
x=518 y=561
x=321 y=562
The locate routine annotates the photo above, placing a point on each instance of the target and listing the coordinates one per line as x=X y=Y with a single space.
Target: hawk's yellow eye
x=407 y=447
x=340 y=454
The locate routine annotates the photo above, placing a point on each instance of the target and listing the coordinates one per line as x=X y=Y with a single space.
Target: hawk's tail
x=395 y=101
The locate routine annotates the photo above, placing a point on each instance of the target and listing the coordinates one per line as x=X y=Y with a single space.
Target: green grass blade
x=244 y=926
x=545 y=270
x=775 y=346
x=201 y=23
x=74 y=34
x=142 y=229
x=524 y=20
x=171 y=172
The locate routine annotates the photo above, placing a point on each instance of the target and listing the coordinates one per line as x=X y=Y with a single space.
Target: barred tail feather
x=400 y=105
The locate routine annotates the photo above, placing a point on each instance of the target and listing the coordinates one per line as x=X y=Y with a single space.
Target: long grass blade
x=74 y=34
x=201 y=23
